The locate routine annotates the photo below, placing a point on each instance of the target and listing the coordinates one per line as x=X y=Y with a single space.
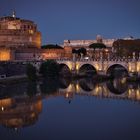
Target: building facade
x=20 y=39
x=77 y=44
x=18 y=33
x=85 y=43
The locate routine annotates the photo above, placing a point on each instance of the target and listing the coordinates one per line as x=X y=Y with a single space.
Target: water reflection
x=21 y=104
x=117 y=86
x=19 y=112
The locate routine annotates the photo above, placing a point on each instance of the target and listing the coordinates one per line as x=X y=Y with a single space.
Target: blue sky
x=78 y=19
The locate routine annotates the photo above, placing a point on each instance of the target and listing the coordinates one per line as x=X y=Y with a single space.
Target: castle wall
x=16 y=32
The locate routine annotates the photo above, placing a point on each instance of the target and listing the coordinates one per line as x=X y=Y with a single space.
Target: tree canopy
x=51 y=46
x=97 y=45
x=50 y=68
x=31 y=72
x=79 y=51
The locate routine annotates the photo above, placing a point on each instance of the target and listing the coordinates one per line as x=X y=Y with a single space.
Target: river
x=70 y=110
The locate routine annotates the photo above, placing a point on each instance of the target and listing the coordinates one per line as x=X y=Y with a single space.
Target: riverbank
x=14 y=79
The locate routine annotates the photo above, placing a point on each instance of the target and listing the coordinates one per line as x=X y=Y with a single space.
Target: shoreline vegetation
x=98 y=78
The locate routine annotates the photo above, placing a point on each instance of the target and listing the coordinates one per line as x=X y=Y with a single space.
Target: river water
x=70 y=110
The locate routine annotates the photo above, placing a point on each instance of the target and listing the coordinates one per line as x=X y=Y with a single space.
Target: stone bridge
x=103 y=66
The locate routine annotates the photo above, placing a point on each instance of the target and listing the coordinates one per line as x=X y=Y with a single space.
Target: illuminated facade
x=16 y=32
x=21 y=40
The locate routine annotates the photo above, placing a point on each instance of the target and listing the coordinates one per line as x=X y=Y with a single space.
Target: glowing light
x=97 y=90
x=70 y=65
x=69 y=89
x=77 y=66
x=77 y=87
x=4 y=55
x=67 y=95
x=97 y=66
x=138 y=67
x=31 y=31
x=138 y=94
x=123 y=80
x=106 y=50
x=2 y=108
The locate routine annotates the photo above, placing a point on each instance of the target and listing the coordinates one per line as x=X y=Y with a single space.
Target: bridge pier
x=101 y=72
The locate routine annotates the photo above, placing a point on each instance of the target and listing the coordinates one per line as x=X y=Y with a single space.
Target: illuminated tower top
x=14 y=14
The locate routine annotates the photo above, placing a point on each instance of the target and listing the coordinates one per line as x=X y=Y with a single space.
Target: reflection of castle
x=20 y=112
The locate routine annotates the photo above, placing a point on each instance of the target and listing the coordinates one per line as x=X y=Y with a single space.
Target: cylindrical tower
x=18 y=33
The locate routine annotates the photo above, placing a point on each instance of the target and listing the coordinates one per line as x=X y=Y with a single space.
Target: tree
x=74 y=51
x=31 y=72
x=51 y=46
x=49 y=85
x=31 y=89
x=97 y=46
x=83 y=51
x=80 y=51
x=50 y=68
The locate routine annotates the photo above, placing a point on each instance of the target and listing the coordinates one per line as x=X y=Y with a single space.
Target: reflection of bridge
x=103 y=66
x=20 y=111
x=103 y=90
x=24 y=109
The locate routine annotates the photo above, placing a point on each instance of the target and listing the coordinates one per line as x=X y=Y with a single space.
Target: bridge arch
x=87 y=85
x=64 y=83
x=117 y=86
x=87 y=69
x=64 y=68
x=120 y=69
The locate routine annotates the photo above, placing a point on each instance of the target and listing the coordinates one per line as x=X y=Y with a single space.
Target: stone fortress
x=21 y=40
x=16 y=32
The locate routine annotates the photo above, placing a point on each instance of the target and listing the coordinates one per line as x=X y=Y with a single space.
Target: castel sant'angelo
x=21 y=40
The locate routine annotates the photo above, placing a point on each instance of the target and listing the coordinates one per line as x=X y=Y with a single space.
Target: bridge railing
x=98 y=60
x=79 y=59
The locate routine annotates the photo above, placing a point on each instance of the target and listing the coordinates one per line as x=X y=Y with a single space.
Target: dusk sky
x=78 y=19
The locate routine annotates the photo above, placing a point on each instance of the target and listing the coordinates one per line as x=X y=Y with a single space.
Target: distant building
x=77 y=44
x=86 y=43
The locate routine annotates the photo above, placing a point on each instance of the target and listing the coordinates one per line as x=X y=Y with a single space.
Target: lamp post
x=134 y=56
